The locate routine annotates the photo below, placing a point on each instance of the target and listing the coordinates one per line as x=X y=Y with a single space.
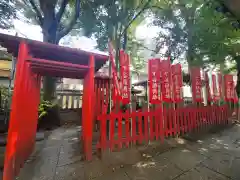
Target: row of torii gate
x=36 y=59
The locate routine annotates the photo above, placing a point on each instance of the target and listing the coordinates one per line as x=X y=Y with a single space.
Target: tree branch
x=157 y=7
x=72 y=22
x=35 y=8
x=136 y=16
x=61 y=10
x=231 y=13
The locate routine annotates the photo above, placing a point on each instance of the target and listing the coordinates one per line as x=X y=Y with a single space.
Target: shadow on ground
x=216 y=157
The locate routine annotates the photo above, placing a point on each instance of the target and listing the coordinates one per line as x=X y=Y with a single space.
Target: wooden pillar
x=13 y=158
x=88 y=109
x=31 y=110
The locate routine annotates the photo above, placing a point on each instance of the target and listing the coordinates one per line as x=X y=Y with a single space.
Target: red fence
x=128 y=128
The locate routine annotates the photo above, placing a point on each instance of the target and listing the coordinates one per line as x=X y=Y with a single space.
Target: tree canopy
x=56 y=19
x=7 y=13
x=194 y=29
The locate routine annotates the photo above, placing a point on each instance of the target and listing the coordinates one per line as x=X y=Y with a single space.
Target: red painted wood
x=99 y=99
x=134 y=134
x=177 y=82
x=146 y=127
x=171 y=120
x=166 y=81
x=13 y=152
x=42 y=62
x=186 y=116
x=165 y=123
x=125 y=77
x=115 y=82
x=189 y=119
x=161 y=124
x=140 y=125
x=88 y=110
x=151 y=128
x=228 y=82
x=120 y=136
x=157 y=121
x=154 y=80
x=128 y=137
x=196 y=84
x=112 y=131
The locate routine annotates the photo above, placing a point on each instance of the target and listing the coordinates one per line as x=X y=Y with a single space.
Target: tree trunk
x=49 y=36
x=237 y=59
x=49 y=87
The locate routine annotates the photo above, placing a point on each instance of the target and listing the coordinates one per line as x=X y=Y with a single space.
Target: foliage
x=113 y=19
x=5 y=97
x=56 y=18
x=7 y=13
x=194 y=29
x=43 y=108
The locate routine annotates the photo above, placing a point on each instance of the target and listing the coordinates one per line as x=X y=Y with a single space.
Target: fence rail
x=158 y=124
x=69 y=100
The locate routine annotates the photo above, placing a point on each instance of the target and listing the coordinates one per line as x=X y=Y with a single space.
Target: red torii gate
x=36 y=59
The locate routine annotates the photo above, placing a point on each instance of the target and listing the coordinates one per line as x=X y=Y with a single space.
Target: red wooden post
x=12 y=162
x=26 y=113
x=35 y=80
x=84 y=116
x=88 y=109
x=140 y=126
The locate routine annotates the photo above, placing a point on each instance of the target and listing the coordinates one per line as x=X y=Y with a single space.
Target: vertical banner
x=177 y=82
x=220 y=84
x=125 y=77
x=209 y=95
x=114 y=70
x=215 y=89
x=196 y=84
x=166 y=81
x=154 y=80
x=228 y=80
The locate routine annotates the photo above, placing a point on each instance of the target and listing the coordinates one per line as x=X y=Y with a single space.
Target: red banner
x=125 y=77
x=196 y=84
x=154 y=80
x=166 y=81
x=114 y=71
x=228 y=79
x=215 y=89
x=209 y=95
x=177 y=82
x=220 y=83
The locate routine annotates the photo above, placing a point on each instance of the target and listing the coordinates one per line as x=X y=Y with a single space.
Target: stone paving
x=214 y=158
